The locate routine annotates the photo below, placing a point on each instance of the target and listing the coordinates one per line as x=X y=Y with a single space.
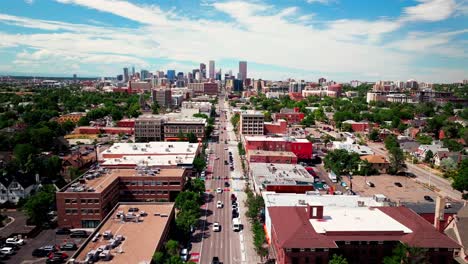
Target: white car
x=216 y=227
x=226 y=148
x=15 y=241
x=234 y=205
x=219 y=190
x=7 y=251
x=219 y=204
x=184 y=254
x=217 y=158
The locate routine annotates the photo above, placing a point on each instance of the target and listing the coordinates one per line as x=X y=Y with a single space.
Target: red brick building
x=263 y=156
x=126 y=123
x=293 y=116
x=359 y=126
x=276 y=128
x=87 y=200
x=313 y=233
x=302 y=148
x=104 y=130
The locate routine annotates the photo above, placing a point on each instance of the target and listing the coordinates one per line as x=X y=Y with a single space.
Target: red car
x=233 y=197
x=61 y=255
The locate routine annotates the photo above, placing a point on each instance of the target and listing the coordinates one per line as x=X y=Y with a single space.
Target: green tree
x=158 y=257
x=68 y=126
x=174 y=260
x=429 y=156
x=155 y=108
x=404 y=254
x=337 y=259
x=448 y=164
x=199 y=164
x=38 y=205
x=341 y=161
x=172 y=247
x=235 y=120
x=391 y=142
x=374 y=135
x=192 y=138
x=452 y=145
x=424 y=139
x=397 y=159
x=195 y=185
x=460 y=181
x=241 y=149
x=185 y=220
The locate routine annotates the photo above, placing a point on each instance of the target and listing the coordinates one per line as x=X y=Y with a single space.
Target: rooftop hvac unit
x=361 y=203
x=301 y=202
x=135 y=147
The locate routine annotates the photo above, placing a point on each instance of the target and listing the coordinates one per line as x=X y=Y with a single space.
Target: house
x=441 y=155
x=420 y=153
x=409 y=146
x=412 y=132
x=350 y=146
x=378 y=162
x=457 y=229
x=12 y=189
x=361 y=126
x=81 y=158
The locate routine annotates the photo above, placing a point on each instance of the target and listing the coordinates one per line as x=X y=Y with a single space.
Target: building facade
x=302 y=148
x=251 y=123
x=162 y=96
x=149 y=128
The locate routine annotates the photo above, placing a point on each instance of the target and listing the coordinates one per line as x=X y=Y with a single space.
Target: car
x=215 y=260
x=428 y=198
x=44 y=251
x=226 y=162
x=216 y=227
x=58 y=254
x=79 y=234
x=234 y=205
x=133 y=209
x=398 y=184
x=217 y=158
x=15 y=241
x=226 y=148
x=370 y=184
x=226 y=184
x=7 y=251
x=219 y=190
x=233 y=197
x=219 y=204
x=184 y=254
x=55 y=260
x=69 y=246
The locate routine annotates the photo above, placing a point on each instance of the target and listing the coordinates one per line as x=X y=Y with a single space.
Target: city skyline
x=342 y=40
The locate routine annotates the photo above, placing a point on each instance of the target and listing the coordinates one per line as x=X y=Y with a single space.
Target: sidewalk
x=246 y=237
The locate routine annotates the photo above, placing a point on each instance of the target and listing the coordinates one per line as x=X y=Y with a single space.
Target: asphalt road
x=224 y=244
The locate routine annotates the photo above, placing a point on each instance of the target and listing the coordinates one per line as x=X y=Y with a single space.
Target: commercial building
x=293 y=116
x=171 y=75
x=173 y=129
x=359 y=126
x=202 y=107
x=203 y=71
x=126 y=122
x=212 y=69
x=209 y=88
x=302 y=148
x=314 y=231
x=153 y=154
x=242 y=70
x=149 y=128
x=86 y=201
x=281 y=178
x=125 y=75
x=378 y=162
x=276 y=128
x=126 y=239
x=251 y=123
x=162 y=96
x=103 y=130
x=264 y=156
x=296 y=87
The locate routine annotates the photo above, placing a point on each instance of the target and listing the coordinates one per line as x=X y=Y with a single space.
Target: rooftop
x=152 y=148
x=280 y=174
x=132 y=250
x=98 y=180
x=377 y=159
x=359 y=149
x=296 y=199
x=276 y=139
x=151 y=161
x=272 y=153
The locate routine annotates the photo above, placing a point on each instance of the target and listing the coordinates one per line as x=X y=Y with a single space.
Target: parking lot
x=384 y=184
x=46 y=237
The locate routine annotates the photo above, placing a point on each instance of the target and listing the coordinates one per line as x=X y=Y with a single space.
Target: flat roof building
x=86 y=201
x=168 y=127
x=301 y=147
x=251 y=123
x=282 y=178
x=133 y=241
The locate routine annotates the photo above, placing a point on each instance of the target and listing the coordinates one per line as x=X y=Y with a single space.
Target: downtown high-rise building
x=133 y=71
x=144 y=74
x=202 y=71
x=125 y=74
x=171 y=75
x=212 y=70
x=242 y=70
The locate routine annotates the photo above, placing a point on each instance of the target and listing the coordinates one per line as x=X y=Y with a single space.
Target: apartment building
x=174 y=128
x=162 y=96
x=293 y=116
x=86 y=201
x=168 y=128
x=251 y=123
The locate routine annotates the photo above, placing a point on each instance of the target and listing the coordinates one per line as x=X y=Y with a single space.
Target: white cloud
x=260 y=33
x=430 y=10
x=29 y=2
x=324 y=2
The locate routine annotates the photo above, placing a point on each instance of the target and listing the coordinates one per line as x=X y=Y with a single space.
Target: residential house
x=12 y=189
x=412 y=132
x=78 y=160
x=457 y=229
x=441 y=155
x=378 y=162
x=421 y=152
x=409 y=146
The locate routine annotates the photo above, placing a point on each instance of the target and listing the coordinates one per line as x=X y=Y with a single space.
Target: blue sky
x=342 y=40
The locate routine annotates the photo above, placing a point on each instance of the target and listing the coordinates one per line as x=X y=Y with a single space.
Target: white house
x=12 y=190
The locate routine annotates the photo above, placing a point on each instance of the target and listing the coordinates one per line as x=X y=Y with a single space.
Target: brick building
x=263 y=156
x=87 y=200
x=302 y=148
x=313 y=233
x=162 y=96
x=126 y=122
x=103 y=130
x=361 y=126
x=276 y=128
x=158 y=127
x=72 y=117
x=293 y=116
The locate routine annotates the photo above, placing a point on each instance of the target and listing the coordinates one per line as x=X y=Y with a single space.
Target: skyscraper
x=126 y=77
x=212 y=70
x=242 y=70
x=144 y=74
x=170 y=75
x=202 y=70
x=133 y=71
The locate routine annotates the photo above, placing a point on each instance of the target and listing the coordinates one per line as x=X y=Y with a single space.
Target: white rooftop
x=277 y=139
x=300 y=199
x=358 y=219
x=279 y=174
x=153 y=148
x=359 y=149
x=151 y=161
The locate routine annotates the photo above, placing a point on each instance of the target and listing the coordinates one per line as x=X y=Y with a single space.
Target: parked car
x=44 y=251
x=370 y=184
x=62 y=231
x=7 y=251
x=233 y=197
x=58 y=254
x=428 y=198
x=15 y=241
x=226 y=184
x=133 y=209
x=216 y=227
x=398 y=184
x=55 y=260
x=79 y=234
x=219 y=190
x=184 y=254
x=69 y=246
